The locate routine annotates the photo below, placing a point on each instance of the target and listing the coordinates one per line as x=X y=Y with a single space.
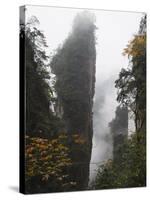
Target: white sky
x=114 y=31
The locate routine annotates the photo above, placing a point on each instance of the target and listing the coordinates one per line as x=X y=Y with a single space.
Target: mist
x=114 y=30
x=103 y=112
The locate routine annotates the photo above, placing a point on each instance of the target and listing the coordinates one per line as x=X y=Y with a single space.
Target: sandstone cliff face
x=74 y=67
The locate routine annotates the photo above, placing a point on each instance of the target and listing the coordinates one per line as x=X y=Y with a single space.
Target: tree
x=39 y=118
x=130 y=169
x=47 y=165
x=132 y=81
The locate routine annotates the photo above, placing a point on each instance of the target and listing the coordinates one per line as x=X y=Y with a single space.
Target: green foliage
x=49 y=156
x=39 y=94
x=129 y=171
x=131 y=83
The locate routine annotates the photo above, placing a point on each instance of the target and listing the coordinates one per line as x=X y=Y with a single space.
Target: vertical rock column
x=74 y=67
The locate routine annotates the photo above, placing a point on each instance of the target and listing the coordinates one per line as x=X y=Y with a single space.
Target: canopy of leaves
x=47 y=164
x=131 y=83
x=129 y=171
x=39 y=94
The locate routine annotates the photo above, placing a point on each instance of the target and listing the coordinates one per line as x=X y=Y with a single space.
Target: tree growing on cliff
x=74 y=67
